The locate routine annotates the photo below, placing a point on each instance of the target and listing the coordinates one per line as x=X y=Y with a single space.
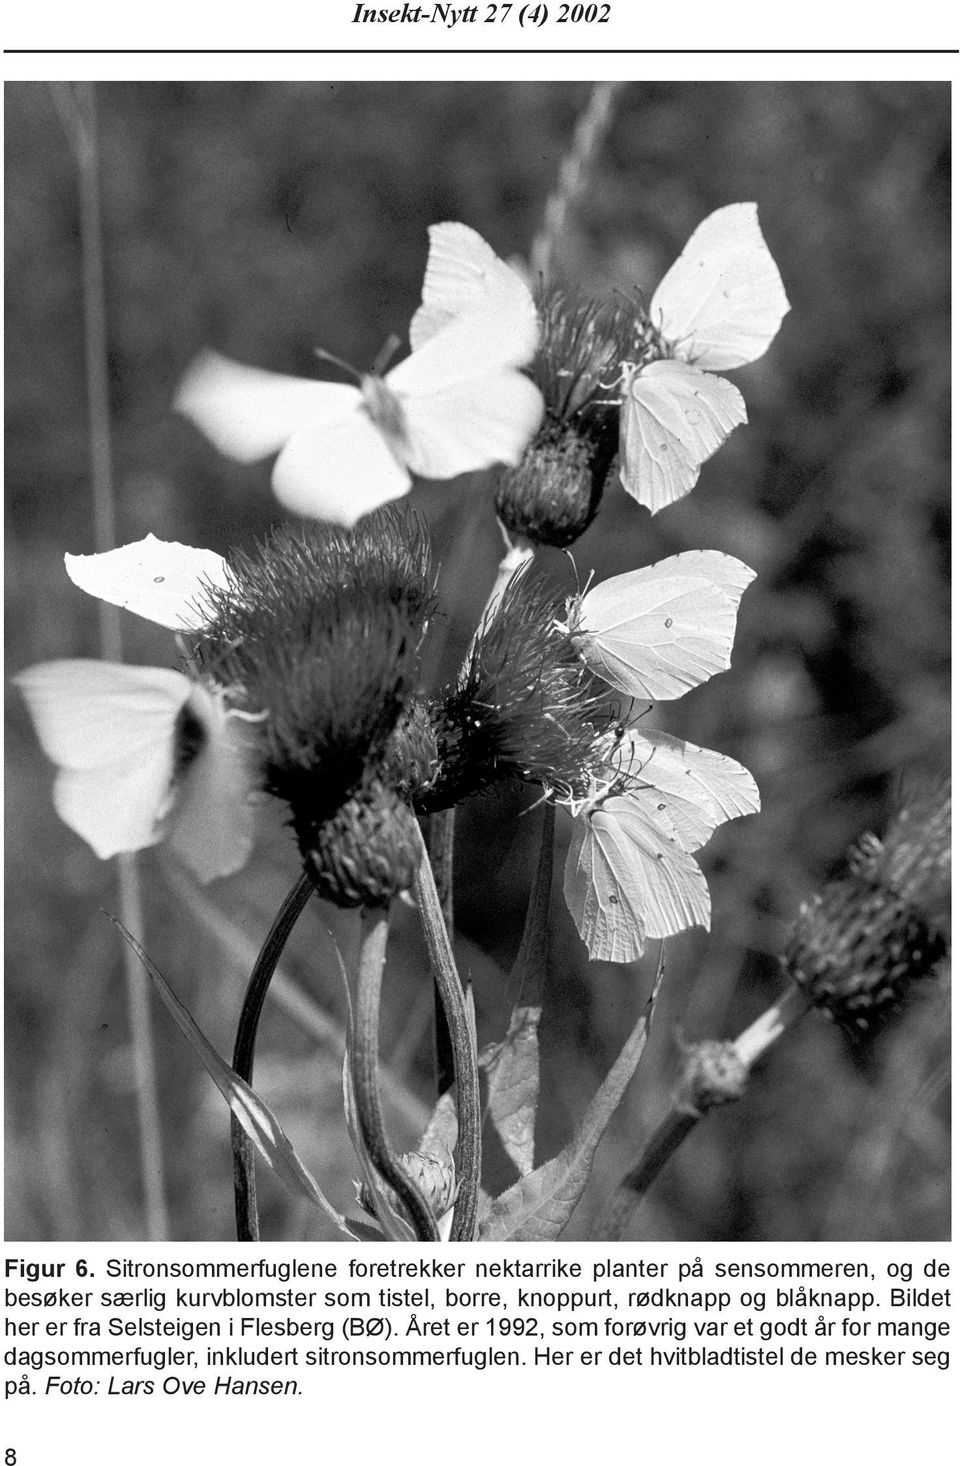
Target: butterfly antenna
x=386 y=354
x=344 y=366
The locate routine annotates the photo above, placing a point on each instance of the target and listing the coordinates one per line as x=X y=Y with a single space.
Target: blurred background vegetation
x=265 y=219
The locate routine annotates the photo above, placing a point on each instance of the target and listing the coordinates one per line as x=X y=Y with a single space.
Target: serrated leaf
x=538 y=1207
x=256 y=1118
x=513 y=1066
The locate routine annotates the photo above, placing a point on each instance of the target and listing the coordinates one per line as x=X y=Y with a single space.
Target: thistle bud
x=860 y=942
x=551 y=496
x=433 y=1175
x=554 y=493
x=366 y=853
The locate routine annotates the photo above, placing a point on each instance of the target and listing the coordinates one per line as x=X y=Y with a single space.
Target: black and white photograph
x=478 y=661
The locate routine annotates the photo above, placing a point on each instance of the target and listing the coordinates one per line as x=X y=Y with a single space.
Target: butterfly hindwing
x=672 y=419
x=628 y=877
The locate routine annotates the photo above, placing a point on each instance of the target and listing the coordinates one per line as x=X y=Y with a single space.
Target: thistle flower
x=554 y=493
x=860 y=943
x=320 y=631
x=308 y=645
x=524 y=707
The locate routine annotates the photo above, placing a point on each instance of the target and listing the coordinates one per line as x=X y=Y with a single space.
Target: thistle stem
x=674 y=1128
x=442 y=826
x=448 y=985
x=244 y=1172
x=364 y=1062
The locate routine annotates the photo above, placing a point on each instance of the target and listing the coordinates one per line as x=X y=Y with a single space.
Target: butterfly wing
x=672 y=418
x=110 y=731
x=248 y=413
x=463 y=273
x=160 y=580
x=338 y=471
x=721 y=303
x=472 y=425
x=696 y=788
x=211 y=826
x=465 y=405
x=628 y=877
x=656 y=632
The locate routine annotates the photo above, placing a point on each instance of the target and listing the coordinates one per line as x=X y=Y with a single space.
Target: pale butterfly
x=158 y=579
x=718 y=306
x=630 y=873
x=456 y=404
x=143 y=755
x=655 y=632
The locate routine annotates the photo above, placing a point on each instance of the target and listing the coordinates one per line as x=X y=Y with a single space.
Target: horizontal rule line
x=478 y=51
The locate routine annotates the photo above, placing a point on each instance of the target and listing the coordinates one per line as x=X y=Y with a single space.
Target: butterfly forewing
x=248 y=413
x=110 y=731
x=463 y=272
x=160 y=580
x=696 y=788
x=721 y=303
x=654 y=633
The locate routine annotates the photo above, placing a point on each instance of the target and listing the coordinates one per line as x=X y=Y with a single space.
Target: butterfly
x=656 y=632
x=630 y=872
x=458 y=403
x=158 y=579
x=144 y=754
x=718 y=306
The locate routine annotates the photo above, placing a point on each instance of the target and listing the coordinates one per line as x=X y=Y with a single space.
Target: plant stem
x=79 y=113
x=244 y=1172
x=364 y=1059
x=575 y=172
x=670 y=1134
x=448 y=984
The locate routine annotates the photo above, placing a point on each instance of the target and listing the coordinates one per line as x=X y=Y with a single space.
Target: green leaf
x=538 y=1207
x=257 y=1119
x=513 y=1066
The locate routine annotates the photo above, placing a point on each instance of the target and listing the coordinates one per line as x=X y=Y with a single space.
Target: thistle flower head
x=318 y=630
x=525 y=706
x=859 y=943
